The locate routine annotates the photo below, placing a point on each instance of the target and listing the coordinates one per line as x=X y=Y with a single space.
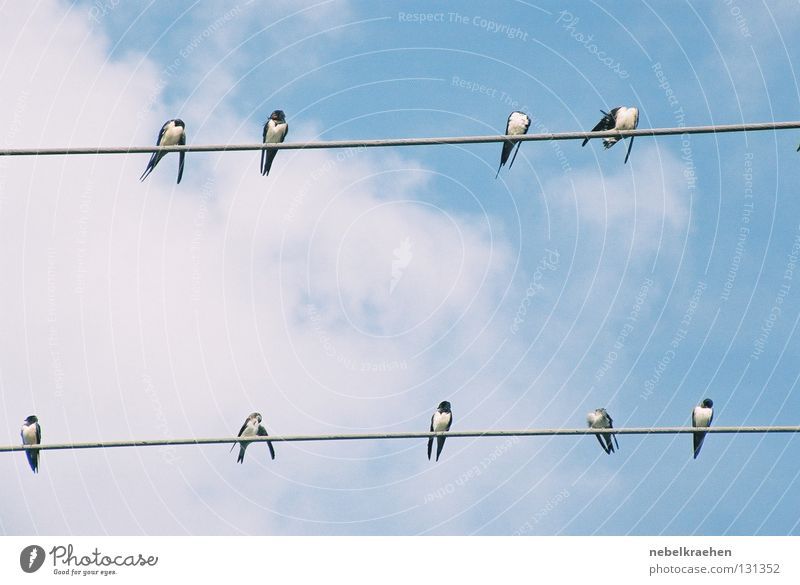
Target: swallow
x=702 y=415
x=275 y=131
x=620 y=118
x=32 y=435
x=600 y=419
x=441 y=421
x=517 y=125
x=252 y=427
x=173 y=132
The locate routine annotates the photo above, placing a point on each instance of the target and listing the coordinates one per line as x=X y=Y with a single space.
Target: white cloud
x=149 y=309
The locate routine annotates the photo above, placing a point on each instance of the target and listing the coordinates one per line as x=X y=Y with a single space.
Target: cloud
x=154 y=310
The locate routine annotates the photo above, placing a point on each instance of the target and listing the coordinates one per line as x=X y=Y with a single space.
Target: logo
x=31 y=558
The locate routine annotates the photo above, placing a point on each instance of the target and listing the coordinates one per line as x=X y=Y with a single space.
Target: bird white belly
x=275 y=133
x=172 y=136
x=627 y=119
x=440 y=422
x=29 y=436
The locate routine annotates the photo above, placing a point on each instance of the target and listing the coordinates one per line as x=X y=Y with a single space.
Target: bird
x=32 y=435
x=620 y=118
x=600 y=419
x=252 y=427
x=275 y=131
x=441 y=421
x=702 y=415
x=517 y=125
x=172 y=133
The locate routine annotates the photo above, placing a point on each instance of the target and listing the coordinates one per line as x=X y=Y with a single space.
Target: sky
x=353 y=290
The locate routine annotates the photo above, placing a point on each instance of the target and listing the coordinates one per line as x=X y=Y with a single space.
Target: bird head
x=278 y=116
x=31 y=420
x=707 y=403
x=444 y=406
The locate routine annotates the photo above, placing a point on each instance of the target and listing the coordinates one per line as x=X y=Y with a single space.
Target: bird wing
x=182 y=154
x=605 y=123
x=262 y=432
x=264 y=152
x=430 y=439
x=38 y=433
x=244 y=426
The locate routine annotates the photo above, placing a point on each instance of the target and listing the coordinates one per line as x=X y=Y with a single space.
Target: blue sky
x=352 y=291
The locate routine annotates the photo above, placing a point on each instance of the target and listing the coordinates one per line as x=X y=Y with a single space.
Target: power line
x=382 y=436
x=322 y=144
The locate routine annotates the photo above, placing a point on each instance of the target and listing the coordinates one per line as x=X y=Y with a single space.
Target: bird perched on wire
x=441 y=421
x=620 y=118
x=600 y=419
x=702 y=415
x=517 y=125
x=32 y=435
x=275 y=131
x=252 y=427
x=172 y=133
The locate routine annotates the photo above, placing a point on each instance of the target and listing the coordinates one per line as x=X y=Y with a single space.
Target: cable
x=321 y=144
x=381 y=436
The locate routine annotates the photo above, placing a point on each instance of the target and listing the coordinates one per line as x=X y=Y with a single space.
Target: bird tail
x=430 y=446
x=154 y=158
x=267 y=156
x=630 y=145
x=439 y=446
x=602 y=443
x=513 y=158
x=33 y=460
x=698 y=443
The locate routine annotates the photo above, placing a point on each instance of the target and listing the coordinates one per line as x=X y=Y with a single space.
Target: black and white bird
x=252 y=427
x=600 y=419
x=172 y=133
x=517 y=125
x=275 y=131
x=32 y=435
x=441 y=421
x=702 y=415
x=620 y=118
